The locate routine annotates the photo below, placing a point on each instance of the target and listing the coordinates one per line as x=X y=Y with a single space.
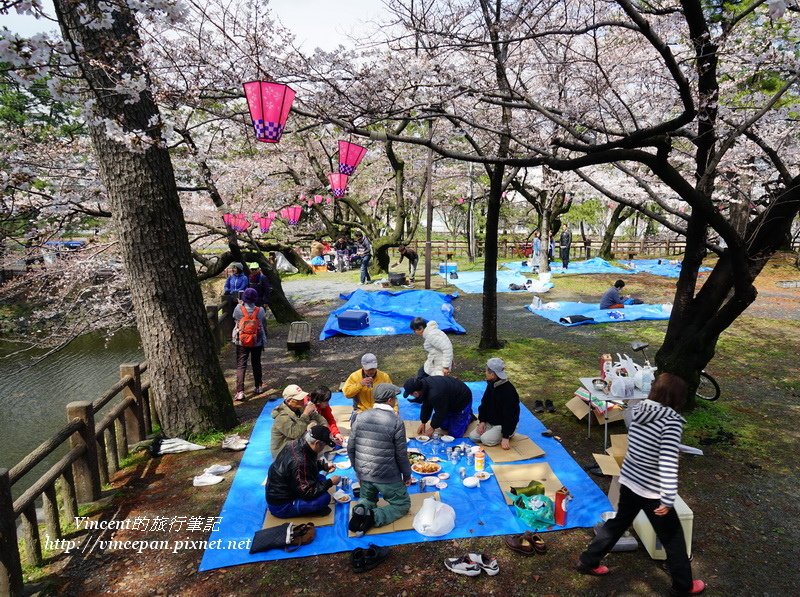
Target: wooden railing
x=95 y=451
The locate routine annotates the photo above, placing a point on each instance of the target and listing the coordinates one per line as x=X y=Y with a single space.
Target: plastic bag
x=535 y=510
x=435 y=518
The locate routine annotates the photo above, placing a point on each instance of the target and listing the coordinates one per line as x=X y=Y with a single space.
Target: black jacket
x=295 y=474
x=500 y=406
x=441 y=395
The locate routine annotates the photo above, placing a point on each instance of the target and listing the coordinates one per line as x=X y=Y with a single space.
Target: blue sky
x=317 y=23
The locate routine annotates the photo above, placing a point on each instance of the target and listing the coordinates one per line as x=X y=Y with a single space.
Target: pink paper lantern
x=272 y=215
x=329 y=200
x=460 y=200
x=292 y=214
x=269 y=105
x=350 y=156
x=309 y=202
x=264 y=222
x=237 y=222
x=338 y=184
x=228 y=219
x=318 y=199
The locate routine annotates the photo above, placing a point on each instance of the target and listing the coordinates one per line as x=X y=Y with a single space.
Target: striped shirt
x=650 y=468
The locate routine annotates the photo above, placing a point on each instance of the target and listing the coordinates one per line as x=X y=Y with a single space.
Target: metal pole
x=471 y=248
x=429 y=219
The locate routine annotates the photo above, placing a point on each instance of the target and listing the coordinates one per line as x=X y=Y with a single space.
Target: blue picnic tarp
x=472 y=282
x=391 y=312
x=480 y=512
x=555 y=311
x=658 y=267
x=595 y=265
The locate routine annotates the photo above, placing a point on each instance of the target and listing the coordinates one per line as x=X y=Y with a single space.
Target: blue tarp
x=629 y=313
x=391 y=312
x=590 y=266
x=472 y=282
x=658 y=267
x=480 y=512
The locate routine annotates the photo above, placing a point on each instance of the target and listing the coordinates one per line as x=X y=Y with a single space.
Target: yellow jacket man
x=358 y=386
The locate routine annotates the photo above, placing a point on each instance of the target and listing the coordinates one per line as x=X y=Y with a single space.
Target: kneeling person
x=296 y=485
x=498 y=414
x=377 y=449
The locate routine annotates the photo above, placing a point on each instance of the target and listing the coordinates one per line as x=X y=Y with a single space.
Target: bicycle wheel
x=708 y=388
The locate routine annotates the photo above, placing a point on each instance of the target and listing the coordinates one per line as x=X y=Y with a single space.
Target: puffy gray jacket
x=377 y=447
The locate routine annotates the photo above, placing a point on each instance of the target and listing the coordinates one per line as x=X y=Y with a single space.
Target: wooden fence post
x=226 y=321
x=85 y=470
x=134 y=415
x=10 y=565
x=212 y=313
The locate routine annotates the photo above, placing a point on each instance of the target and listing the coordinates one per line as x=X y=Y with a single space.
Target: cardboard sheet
x=320 y=521
x=406 y=523
x=342 y=416
x=519 y=475
x=411 y=428
x=522 y=448
x=580 y=409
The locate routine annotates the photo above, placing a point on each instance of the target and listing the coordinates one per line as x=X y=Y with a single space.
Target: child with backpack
x=249 y=336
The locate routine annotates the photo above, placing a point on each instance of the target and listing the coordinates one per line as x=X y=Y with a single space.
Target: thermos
x=563 y=496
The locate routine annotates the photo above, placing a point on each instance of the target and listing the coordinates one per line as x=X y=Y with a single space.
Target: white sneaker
x=233 y=440
x=206 y=479
x=463 y=565
x=487 y=563
x=217 y=469
x=239 y=397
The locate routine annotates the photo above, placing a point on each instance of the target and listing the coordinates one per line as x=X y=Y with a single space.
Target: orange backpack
x=249 y=327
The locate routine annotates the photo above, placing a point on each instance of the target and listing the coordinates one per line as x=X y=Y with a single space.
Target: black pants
x=668 y=530
x=565 y=257
x=242 y=353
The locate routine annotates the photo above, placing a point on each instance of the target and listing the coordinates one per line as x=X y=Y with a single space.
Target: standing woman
x=649 y=482
x=437 y=345
x=537 y=247
x=364 y=249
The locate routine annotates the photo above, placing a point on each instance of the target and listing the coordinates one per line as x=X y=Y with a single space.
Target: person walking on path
x=292 y=417
x=446 y=403
x=364 y=249
x=377 y=448
x=358 y=386
x=412 y=257
x=565 y=244
x=649 y=483
x=249 y=336
x=436 y=344
x=498 y=414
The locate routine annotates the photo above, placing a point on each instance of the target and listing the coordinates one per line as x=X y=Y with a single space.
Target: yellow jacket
x=362 y=396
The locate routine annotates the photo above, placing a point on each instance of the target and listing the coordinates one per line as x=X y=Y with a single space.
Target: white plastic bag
x=435 y=518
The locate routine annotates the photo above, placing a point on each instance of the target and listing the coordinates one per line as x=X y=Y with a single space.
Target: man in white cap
x=292 y=417
x=358 y=386
x=498 y=413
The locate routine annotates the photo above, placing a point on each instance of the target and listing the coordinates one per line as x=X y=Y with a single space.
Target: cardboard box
x=611 y=463
x=647 y=534
x=580 y=409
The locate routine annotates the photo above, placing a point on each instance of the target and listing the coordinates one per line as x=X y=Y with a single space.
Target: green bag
x=532 y=488
x=536 y=511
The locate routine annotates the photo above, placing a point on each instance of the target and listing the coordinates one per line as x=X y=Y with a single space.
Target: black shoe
x=548 y=405
x=538 y=406
x=324 y=512
x=362 y=519
x=369 y=558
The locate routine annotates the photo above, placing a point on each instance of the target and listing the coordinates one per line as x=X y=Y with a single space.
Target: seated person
x=446 y=402
x=377 y=449
x=292 y=418
x=321 y=398
x=358 y=386
x=296 y=485
x=498 y=413
x=612 y=299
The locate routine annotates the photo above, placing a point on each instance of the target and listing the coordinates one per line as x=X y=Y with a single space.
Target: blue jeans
x=365 y=269
x=300 y=507
x=457 y=423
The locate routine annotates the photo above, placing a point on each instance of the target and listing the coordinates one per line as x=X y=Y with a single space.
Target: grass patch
x=214 y=438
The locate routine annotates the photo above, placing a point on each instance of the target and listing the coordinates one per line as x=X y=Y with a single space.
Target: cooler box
x=647 y=534
x=353 y=320
x=448 y=268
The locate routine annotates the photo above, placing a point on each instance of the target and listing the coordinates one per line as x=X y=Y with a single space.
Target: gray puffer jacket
x=377 y=447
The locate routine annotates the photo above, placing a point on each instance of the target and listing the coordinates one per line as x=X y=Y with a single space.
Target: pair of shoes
x=538 y=406
x=367 y=559
x=206 y=479
x=471 y=564
x=599 y=570
x=527 y=543
x=217 y=469
x=549 y=407
x=234 y=442
x=239 y=397
x=259 y=390
x=362 y=520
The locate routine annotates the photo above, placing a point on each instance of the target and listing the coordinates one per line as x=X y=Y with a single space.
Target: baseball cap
x=294 y=392
x=369 y=361
x=322 y=434
x=412 y=384
x=498 y=367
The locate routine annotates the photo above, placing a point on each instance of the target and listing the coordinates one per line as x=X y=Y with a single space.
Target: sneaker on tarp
x=464 y=565
x=487 y=563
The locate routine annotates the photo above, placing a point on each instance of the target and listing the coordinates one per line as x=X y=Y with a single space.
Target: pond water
x=33 y=400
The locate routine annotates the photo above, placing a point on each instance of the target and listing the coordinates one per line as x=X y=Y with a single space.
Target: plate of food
x=435 y=459
x=426 y=468
x=448 y=438
x=443 y=476
x=341 y=497
x=415 y=457
x=343 y=465
x=482 y=475
x=431 y=480
x=441 y=485
x=423 y=438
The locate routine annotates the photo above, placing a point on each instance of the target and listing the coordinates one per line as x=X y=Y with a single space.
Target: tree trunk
x=544 y=236
x=617 y=218
x=191 y=394
x=489 y=337
x=380 y=250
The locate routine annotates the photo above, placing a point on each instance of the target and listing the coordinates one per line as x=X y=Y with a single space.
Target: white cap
x=497 y=366
x=369 y=361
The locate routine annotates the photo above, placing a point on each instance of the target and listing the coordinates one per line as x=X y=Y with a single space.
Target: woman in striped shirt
x=649 y=482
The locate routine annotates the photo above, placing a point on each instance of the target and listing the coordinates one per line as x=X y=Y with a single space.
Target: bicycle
x=708 y=388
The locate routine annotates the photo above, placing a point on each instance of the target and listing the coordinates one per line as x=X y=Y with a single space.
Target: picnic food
x=426 y=468
x=482 y=475
x=415 y=457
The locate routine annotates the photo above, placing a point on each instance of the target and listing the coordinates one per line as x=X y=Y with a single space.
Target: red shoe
x=698 y=586
x=600 y=570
